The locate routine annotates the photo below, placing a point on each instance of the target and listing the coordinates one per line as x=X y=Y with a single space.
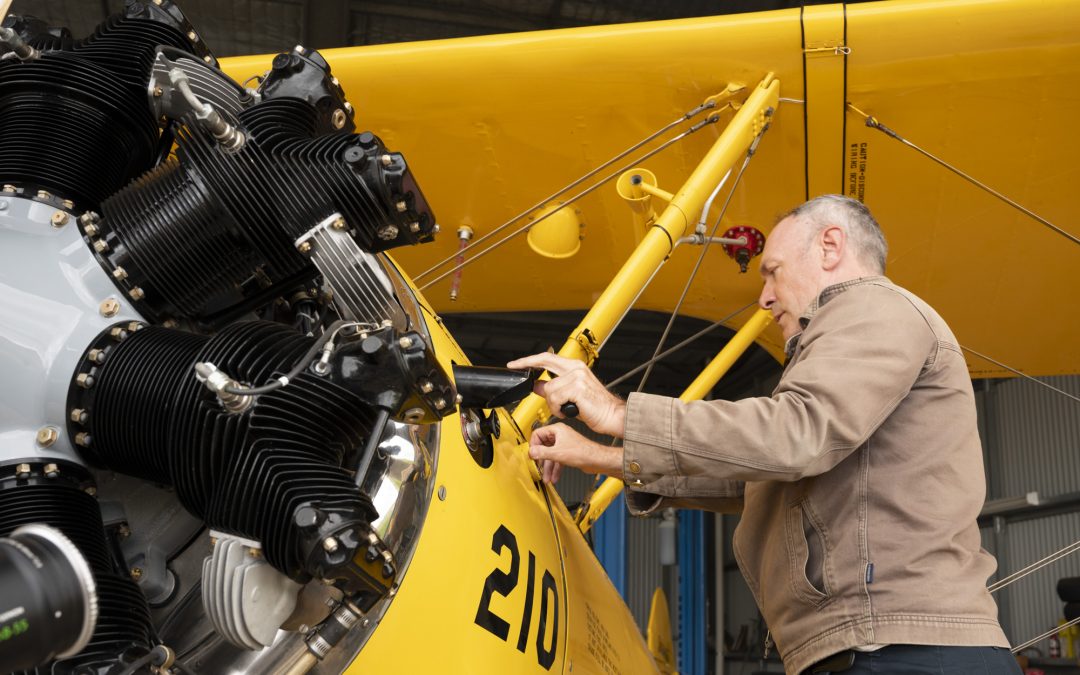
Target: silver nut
x=405 y=342
x=22 y=471
x=109 y=307
x=101 y=245
x=158 y=92
x=90 y=229
x=338 y=224
x=192 y=35
x=92 y=491
x=388 y=232
x=338 y=118
x=401 y=206
x=136 y=293
x=42 y=194
x=426 y=386
x=96 y=355
x=386 y=160
x=440 y=403
x=59 y=219
x=46 y=436
x=119 y=274
x=78 y=415
x=85 y=380
x=9 y=188
x=414 y=227
x=330 y=544
x=52 y=471
x=304 y=247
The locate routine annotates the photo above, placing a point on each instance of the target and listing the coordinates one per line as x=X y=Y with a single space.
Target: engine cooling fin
x=246 y=474
x=75 y=120
x=61 y=501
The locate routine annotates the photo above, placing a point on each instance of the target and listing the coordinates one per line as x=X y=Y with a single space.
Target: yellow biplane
x=590 y=169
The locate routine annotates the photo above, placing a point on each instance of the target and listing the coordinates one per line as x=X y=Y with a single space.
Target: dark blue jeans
x=933 y=660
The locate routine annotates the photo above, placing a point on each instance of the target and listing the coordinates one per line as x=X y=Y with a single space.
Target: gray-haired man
x=859 y=479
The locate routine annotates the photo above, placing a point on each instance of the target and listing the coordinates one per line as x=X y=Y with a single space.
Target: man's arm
x=861 y=355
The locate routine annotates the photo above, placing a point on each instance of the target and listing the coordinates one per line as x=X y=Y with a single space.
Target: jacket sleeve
x=860 y=356
x=681 y=492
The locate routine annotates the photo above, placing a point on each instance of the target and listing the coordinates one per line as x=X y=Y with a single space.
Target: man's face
x=792 y=272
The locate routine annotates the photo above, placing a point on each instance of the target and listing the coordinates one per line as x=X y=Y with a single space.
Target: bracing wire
x=712 y=119
x=1021 y=374
x=1033 y=567
x=873 y=123
x=1034 y=640
x=663 y=355
x=701 y=259
x=659 y=132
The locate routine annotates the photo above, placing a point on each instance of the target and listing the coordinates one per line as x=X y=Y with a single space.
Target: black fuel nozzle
x=490 y=387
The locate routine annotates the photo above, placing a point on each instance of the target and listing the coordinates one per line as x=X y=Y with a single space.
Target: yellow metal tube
x=672 y=224
x=656 y=192
x=702 y=384
x=727 y=356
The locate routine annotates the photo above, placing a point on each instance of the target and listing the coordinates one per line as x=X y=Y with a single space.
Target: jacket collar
x=824 y=297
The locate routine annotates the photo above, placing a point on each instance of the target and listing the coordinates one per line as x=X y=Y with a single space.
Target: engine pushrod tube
x=655 y=247
x=702 y=385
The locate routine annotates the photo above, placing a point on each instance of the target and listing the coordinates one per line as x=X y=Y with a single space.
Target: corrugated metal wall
x=1032 y=439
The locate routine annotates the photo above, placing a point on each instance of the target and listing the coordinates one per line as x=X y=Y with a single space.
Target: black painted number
x=504 y=583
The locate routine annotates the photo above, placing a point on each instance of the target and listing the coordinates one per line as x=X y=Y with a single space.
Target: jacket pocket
x=807 y=554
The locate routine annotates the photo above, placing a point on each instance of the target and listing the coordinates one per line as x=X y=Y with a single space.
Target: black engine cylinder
x=246 y=473
x=62 y=502
x=75 y=121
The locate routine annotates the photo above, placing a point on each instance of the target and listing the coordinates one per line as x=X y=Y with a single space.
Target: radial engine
x=214 y=381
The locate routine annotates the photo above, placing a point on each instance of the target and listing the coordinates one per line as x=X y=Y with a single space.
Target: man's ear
x=833 y=242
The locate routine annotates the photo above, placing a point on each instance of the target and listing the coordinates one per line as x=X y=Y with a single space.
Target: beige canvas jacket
x=863 y=476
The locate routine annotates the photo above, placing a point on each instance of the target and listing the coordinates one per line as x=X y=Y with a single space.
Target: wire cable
x=1033 y=567
x=873 y=123
x=524 y=228
x=687 y=116
x=1022 y=374
x=701 y=258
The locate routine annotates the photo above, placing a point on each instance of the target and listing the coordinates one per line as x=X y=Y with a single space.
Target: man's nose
x=767 y=297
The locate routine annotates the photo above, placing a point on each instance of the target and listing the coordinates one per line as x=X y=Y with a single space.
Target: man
x=860 y=478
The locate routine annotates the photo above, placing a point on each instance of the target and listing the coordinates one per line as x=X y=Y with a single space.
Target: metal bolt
x=157 y=2
x=9 y=188
x=68 y=204
x=42 y=194
x=401 y=206
x=124 y=531
x=119 y=274
x=436 y=228
x=118 y=333
x=136 y=573
x=109 y=307
x=82 y=439
x=442 y=493
x=85 y=380
x=338 y=224
x=388 y=232
x=386 y=160
x=78 y=415
x=96 y=355
x=92 y=491
x=348 y=106
x=208 y=58
x=338 y=118
x=192 y=36
x=158 y=92
x=304 y=247
x=59 y=219
x=52 y=471
x=101 y=245
x=134 y=326
x=440 y=403
x=298 y=48
x=426 y=386
x=46 y=436
x=330 y=544
x=136 y=293
x=254 y=553
x=213 y=541
x=414 y=227
x=90 y=229
x=170 y=323
x=22 y=471
x=405 y=342
x=414 y=415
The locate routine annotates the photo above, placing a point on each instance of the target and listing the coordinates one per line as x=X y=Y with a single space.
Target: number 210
x=503 y=583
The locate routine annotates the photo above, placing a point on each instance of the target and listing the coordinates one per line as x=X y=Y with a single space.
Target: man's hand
x=598 y=408
x=557 y=445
